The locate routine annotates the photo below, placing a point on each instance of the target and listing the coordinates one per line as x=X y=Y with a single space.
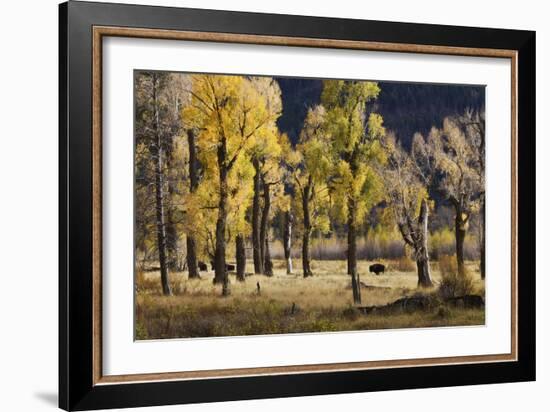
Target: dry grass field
x=292 y=304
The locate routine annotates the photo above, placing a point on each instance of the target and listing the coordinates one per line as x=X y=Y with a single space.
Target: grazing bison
x=377 y=268
x=202 y=266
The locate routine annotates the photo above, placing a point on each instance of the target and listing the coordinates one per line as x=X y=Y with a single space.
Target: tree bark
x=306 y=260
x=268 y=264
x=352 y=252
x=256 y=245
x=287 y=241
x=159 y=195
x=220 y=268
x=423 y=270
x=264 y=250
x=172 y=249
x=460 y=235
x=422 y=256
x=192 y=265
x=194 y=181
x=240 y=255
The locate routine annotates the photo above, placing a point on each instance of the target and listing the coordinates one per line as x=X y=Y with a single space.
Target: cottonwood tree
x=191 y=243
x=288 y=223
x=201 y=208
x=157 y=123
x=274 y=198
x=177 y=182
x=265 y=154
x=176 y=165
x=271 y=179
x=214 y=103
x=240 y=199
x=473 y=126
x=459 y=155
x=200 y=212
x=406 y=191
x=230 y=114
x=310 y=167
x=287 y=208
x=355 y=131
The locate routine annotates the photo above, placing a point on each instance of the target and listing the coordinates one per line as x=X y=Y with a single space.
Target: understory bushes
x=453 y=283
x=379 y=244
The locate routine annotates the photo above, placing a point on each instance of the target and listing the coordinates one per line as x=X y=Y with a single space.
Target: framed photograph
x=256 y=206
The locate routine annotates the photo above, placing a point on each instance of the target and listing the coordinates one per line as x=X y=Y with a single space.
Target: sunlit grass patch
x=286 y=303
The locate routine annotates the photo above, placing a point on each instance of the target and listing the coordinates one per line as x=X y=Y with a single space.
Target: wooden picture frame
x=82 y=27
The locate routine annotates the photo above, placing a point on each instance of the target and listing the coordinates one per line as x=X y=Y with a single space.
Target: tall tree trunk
x=352 y=252
x=423 y=270
x=220 y=268
x=192 y=265
x=422 y=256
x=352 y=234
x=306 y=259
x=240 y=256
x=159 y=195
x=256 y=244
x=460 y=235
x=482 y=240
x=287 y=241
x=194 y=181
x=172 y=246
x=268 y=264
x=266 y=259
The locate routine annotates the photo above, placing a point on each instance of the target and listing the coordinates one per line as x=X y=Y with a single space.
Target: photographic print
x=289 y=184
x=275 y=205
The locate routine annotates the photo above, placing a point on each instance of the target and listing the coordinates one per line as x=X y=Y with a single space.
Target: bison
x=377 y=268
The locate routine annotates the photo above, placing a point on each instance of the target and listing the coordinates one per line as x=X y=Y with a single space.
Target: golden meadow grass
x=289 y=303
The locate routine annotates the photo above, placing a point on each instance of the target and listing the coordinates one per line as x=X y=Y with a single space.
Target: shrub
x=376 y=245
x=145 y=283
x=140 y=276
x=332 y=248
x=452 y=283
x=442 y=242
x=404 y=264
x=351 y=313
x=443 y=312
x=141 y=331
x=381 y=243
x=447 y=264
x=179 y=288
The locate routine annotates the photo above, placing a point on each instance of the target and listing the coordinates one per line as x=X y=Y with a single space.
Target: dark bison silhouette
x=377 y=268
x=202 y=266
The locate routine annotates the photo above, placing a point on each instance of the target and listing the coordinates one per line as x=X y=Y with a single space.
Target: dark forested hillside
x=406 y=107
x=297 y=96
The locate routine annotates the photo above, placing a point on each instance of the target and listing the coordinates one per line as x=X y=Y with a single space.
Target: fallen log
x=424 y=303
